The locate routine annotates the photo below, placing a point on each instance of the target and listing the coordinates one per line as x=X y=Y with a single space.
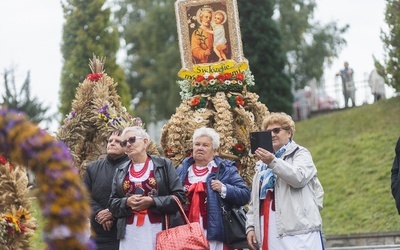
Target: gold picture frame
x=195 y=37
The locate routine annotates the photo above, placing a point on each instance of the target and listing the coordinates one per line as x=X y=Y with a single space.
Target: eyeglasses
x=131 y=140
x=275 y=130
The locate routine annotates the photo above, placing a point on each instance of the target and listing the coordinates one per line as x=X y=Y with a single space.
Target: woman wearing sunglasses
x=286 y=198
x=141 y=193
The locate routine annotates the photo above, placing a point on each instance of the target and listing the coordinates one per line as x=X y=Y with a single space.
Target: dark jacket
x=237 y=194
x=395 y=176
x=167 y=184
x=98 y=179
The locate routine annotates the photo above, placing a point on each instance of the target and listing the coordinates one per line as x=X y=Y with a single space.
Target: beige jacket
x=298 y=194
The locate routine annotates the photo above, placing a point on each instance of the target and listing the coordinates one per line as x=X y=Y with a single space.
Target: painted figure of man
x=201 y=40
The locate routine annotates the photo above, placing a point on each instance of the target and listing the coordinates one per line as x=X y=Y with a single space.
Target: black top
x=395 y=176
x=98 y=179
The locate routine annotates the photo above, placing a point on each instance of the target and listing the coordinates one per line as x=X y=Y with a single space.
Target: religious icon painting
x=209 y=33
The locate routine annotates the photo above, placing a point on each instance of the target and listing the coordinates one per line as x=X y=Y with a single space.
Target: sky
x=32 y=31
x=366 y=19
x=31 y=36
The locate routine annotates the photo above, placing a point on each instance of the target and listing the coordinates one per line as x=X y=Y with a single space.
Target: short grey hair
x=210 y=132
x=138 y=130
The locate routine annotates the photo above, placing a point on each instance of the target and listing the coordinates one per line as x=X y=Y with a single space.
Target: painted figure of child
x=218 y=31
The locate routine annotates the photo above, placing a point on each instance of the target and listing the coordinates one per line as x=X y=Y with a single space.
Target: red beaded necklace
x=140 y=173
x=199 y=171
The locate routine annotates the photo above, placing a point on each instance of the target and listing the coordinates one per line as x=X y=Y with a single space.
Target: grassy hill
x=353 y=150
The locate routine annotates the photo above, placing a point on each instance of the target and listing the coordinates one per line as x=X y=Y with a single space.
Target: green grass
x=353 y=150
x=36 y=241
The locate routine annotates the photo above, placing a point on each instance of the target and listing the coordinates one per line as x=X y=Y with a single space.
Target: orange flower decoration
x=227 y=76
x=170 y=152
x=204 y=83
x=240 y=77
x=221 y=77
x=199 y=78
x=239 y=147
x=239 y=101
x=195 y=101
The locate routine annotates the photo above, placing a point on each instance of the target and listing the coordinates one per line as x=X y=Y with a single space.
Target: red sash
x=200 y=199
x=141 y=215
x=194 y=209
x=265 y=210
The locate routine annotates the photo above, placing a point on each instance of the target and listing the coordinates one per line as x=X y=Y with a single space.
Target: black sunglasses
x=275 y=130
x=131 y=140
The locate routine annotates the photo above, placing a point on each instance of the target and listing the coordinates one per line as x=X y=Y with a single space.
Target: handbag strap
x=181 y=210
x=217 y=174
x=218 y=195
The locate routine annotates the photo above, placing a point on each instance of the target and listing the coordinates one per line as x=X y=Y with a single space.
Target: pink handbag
x=185 y=237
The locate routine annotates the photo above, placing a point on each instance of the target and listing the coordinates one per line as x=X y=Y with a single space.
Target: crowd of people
x=132 y=191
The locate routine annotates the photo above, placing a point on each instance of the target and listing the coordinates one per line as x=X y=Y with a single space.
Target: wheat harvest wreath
x=62 y=196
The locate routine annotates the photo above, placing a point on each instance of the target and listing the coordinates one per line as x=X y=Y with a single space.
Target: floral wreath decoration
x=17 y=224
x=217 y=97
x=198 y=89
x=234 y=79
x=62 y=195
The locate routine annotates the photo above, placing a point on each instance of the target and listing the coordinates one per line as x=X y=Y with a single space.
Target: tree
x=149 y=31
x=262 y=47
x=392 y=45
x=88 y=31
x=308 y=46
x=22 y=100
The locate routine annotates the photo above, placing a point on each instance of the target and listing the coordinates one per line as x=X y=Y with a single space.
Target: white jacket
x=298 y=194
x=376 y=83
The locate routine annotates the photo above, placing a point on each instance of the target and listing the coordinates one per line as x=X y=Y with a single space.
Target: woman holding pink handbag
x=198 y=175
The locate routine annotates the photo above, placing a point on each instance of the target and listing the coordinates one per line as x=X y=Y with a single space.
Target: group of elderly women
x=283 y=204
